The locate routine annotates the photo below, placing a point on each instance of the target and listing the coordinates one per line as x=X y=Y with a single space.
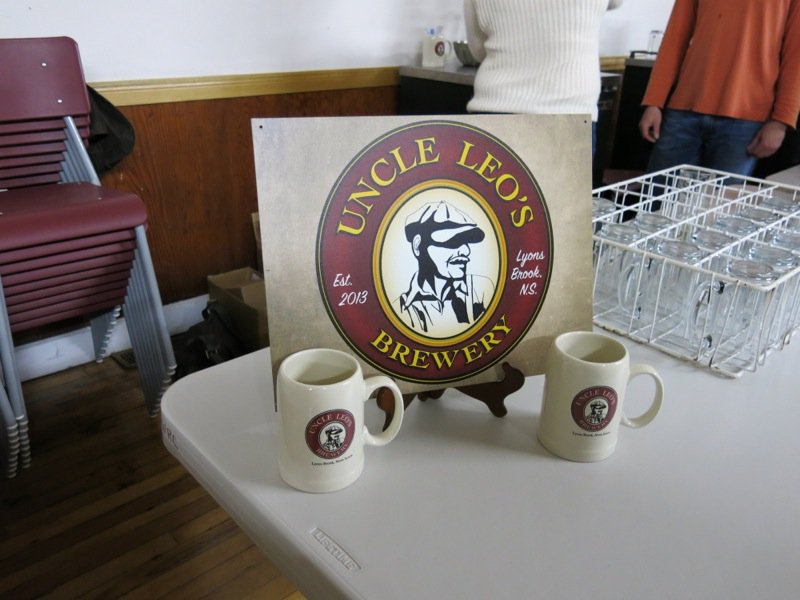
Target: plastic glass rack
x=702 y=264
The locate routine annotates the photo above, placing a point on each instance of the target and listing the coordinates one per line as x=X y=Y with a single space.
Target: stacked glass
x=670 y=314
x=740 y=323
x=617 y=271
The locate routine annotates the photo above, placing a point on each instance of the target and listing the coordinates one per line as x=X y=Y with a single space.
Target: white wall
x=150 y=39
x=628 y=27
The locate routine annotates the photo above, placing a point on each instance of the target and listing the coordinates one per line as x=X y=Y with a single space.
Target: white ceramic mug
x=321 y=394
x=435 y=49
x=586 y=375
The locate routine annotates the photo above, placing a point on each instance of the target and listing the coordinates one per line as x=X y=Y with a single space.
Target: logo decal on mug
x=330 y=434
x=594 y=407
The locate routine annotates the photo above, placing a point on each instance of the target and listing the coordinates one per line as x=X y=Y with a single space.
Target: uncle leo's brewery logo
x=329 y=434
x=594 y=408
x=434 y=252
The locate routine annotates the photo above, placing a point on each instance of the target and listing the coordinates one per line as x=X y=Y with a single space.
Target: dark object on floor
x=208 y=343
x=125 y=359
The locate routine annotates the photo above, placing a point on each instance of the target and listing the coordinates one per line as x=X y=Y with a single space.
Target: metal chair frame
x=142 y=307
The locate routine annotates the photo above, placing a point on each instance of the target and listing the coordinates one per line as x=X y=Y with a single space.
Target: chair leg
x=10 y=435
x=13 y=387
x=147 y=353
x=147 y=328
x=152 y=358
x=153 y=296
x=102 y=327
x=77 y=166
x=24 y=442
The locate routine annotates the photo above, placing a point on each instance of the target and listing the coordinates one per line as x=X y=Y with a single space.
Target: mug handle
x=650 y=413
x=387 y=435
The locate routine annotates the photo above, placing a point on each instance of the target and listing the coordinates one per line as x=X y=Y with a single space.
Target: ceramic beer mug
x=586 y=376
x=321 y=394
x=435 y=48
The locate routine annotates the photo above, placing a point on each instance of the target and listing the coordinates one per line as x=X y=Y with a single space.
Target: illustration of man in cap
x=597 y=411
x=333 y=440
x=442 y=295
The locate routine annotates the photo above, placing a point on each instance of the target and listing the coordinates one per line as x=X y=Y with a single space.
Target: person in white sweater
x=536 y=56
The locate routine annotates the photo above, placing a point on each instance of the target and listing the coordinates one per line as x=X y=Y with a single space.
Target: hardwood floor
x=105 y=511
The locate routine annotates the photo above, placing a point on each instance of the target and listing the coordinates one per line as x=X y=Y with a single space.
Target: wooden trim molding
x=159 y=91
x=613 y=64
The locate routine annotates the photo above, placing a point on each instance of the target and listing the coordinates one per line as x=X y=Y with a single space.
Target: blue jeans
x=718 y=143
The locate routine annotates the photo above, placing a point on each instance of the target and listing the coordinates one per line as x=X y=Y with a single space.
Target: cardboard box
x=241 y=296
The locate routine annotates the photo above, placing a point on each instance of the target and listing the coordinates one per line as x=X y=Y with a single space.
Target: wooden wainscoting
x=193 y=160
x=193 y=166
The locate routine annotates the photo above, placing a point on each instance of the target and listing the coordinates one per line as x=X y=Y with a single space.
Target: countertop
x=790 y=176
x=450 y=73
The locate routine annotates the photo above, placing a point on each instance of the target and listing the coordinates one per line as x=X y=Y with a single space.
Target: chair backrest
x=41 y=83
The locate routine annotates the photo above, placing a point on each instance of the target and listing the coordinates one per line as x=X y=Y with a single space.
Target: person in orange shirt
x=725 y=85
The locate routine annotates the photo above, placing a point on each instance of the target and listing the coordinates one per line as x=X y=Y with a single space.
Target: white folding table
x=702 y=503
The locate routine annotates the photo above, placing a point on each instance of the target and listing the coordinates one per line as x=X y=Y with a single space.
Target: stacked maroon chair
x=69 y=247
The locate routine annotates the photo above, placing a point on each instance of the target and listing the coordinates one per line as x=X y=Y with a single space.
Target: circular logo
x=594 y=407
x=439 y=48
x=434 y=252
x=329 y=434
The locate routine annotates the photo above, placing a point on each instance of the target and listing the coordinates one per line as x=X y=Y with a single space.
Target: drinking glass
x=738 y=227
x=711 y=240
x=780 y=204
x=738 y=326
x=617 y=271
x=650 y=224
x=666 y=304
x=601 y=207
x=788 y=240
x=781 y=313
x=759 y=216
x=654 y=41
